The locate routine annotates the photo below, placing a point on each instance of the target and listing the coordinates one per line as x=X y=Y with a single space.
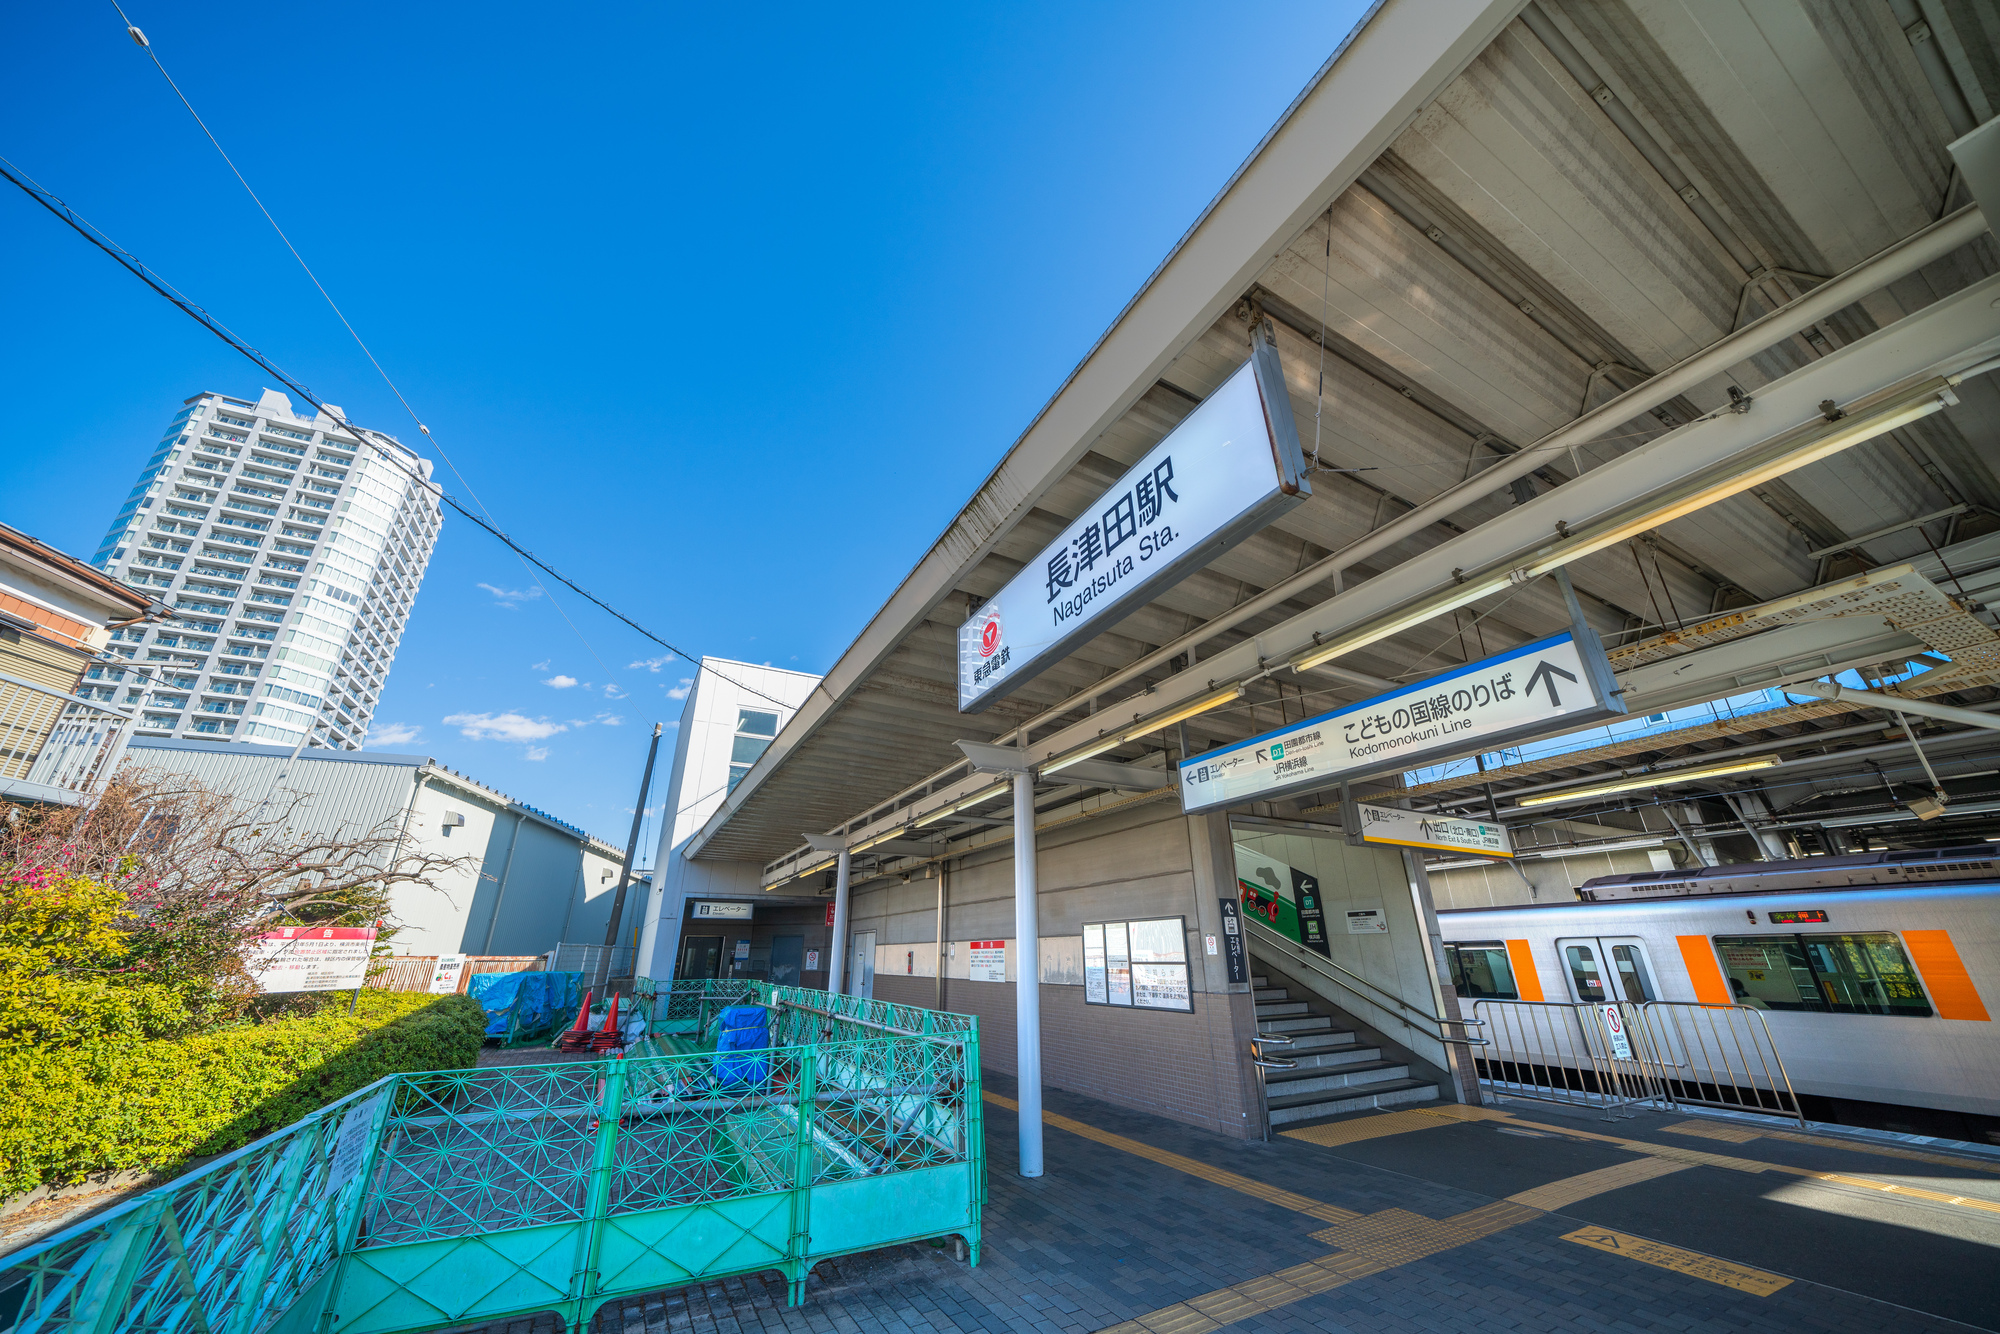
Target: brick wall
x=1187 y=1067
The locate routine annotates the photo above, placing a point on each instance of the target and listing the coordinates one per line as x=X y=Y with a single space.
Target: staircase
x=1336 y=1072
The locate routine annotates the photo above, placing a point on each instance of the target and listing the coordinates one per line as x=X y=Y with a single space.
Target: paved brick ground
x=1108 y=1237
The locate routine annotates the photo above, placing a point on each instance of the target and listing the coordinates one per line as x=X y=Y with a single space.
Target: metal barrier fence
x=430 y=1200
x=1624 y=1054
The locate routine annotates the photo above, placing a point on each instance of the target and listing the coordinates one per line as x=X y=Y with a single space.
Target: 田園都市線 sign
x=1230 y=468
x=1447 y=833
x=1551 y=685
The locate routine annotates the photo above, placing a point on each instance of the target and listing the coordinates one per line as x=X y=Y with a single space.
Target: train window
x=1481 y=972
x=1862 y=973
x=1583 y=972
x=1628 y=963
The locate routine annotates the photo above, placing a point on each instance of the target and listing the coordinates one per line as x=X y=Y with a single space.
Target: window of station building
x=1480 y=971
x=754 y=730
x=1829 y=974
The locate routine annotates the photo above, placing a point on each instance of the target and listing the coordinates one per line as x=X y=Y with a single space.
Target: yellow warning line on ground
x=1692 y=1263
x=1744 y=1134
x=1914 y=1192
x=1284 y=1199
x=1571 y=1190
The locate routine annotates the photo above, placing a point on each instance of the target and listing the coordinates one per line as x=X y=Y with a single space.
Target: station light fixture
x=1654 y=510
x=1658 y=779
x=1119 y=736
x=983 y=794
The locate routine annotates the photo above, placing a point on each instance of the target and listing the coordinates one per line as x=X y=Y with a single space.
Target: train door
x=1607 y=968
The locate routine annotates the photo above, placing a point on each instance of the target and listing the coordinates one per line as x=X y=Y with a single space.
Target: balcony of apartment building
x=57 y=614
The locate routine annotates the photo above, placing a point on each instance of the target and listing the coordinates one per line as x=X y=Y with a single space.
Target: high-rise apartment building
x=290 y=549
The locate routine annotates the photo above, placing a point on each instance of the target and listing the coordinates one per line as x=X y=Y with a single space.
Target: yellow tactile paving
x=1397 y=1236
x=1561 y=1194
x=1284 y=1199
x=1693 y=1263
x=1744 y=1134
x=1336 y=1133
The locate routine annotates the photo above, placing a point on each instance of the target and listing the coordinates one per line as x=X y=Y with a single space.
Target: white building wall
x=292 y=549
x=703 y=751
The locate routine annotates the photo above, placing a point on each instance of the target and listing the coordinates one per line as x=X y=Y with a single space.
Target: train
x=1876 y=974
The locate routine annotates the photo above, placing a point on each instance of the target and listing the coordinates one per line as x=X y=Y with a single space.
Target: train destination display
x=1551 y=685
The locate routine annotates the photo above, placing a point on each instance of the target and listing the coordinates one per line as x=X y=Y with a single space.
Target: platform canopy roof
x=1477 y=227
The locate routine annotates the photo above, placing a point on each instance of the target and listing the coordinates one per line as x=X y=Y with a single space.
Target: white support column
x=836 y=970
x=1027 y=976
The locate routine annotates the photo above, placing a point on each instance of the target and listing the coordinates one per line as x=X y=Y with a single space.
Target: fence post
x=797 y=1265
x=597 y=1204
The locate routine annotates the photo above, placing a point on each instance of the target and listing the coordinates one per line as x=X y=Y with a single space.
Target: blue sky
x=724 y=311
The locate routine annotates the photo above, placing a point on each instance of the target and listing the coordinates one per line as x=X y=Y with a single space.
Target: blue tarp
x=522 y=1005
x=745 y=1028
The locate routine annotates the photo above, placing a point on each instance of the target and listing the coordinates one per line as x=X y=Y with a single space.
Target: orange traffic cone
x=608 y=1037
x=579 y=1032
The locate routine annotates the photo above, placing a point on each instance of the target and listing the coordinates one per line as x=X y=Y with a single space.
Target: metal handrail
x=1263 y=1063
x=1440 y=1020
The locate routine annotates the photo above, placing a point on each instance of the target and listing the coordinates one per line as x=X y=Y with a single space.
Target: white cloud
x=654 y=664
x=610 y=719
x=560 y=682
x=681 y=691
x=670 y=726
x=392 y=734
x=541 y=666
x=512 y=597
x=508 y=726
x=538 y=752
x=611 y=690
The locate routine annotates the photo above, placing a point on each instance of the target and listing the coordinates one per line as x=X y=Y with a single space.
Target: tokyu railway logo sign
x=1229 y=468
x=1552 y=685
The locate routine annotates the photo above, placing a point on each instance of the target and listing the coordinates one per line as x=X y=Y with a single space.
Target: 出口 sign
x=1548 y=686
x=1230 y=467
x=1447 y=833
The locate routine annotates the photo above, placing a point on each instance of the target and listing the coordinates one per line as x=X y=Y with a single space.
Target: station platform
x=1516 y=1216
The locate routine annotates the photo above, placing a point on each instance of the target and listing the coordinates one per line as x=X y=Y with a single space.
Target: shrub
x=117 y=1106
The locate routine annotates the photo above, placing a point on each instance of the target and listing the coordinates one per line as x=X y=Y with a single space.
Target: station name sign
x=1548 y=686
x=1230 y=468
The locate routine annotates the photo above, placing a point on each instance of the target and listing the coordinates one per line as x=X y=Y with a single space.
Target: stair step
x=1292 y=1083
x=1280 y=1009
x=1386 y=1093
x=1315 y=1044
x=1303 y=1023
x=1262 y=994
x=1259 y=980
x=1352 y=1054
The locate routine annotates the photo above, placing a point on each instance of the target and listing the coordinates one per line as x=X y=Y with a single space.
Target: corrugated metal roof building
x=535 y=881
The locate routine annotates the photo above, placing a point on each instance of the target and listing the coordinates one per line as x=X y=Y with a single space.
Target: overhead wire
x=138 y=269
x=144 y=43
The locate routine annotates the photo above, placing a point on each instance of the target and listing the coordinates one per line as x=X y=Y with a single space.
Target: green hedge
x=116 y=1107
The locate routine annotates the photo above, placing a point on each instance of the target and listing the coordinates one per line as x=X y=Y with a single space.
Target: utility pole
x=631 y=851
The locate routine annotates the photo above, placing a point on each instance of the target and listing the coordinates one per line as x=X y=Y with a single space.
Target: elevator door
x=787 y=953
x=701 y=956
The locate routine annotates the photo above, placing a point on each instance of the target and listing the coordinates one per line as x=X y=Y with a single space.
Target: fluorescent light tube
x=1119 y=736
x=1657 y=779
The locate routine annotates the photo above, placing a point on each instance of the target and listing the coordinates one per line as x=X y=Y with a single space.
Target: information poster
x=445 y=974
x=988 y=960
x=1118 y=963
x=318 y=958
x=1140 y=965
